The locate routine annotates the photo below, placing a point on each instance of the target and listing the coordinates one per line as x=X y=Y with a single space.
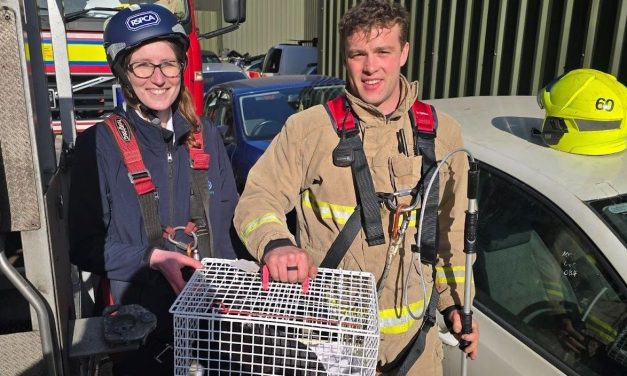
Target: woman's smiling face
x=156 y=92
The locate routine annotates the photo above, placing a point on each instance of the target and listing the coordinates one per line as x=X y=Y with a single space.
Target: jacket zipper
x=171 y=182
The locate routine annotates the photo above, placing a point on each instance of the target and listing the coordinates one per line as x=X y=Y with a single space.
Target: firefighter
x=309 y=166
x=119 y=211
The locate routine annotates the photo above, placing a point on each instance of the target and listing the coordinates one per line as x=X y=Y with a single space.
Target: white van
x=289 y=59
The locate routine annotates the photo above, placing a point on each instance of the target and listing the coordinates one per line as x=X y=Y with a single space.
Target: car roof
x=279 y=82
x=499 y=130
x=220 y=67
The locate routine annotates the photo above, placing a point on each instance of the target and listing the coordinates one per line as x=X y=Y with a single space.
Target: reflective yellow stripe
x=601 y=328
x=412 y=218
x=555 y=293
x=449 y=274
x=338 y=213
x=554 y=289
x=257 y=222
x=391 y=322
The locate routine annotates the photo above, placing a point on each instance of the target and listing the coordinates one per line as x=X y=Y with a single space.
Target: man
x=298 y=170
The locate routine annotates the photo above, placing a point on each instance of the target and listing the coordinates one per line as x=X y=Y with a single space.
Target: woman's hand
x=170 y=265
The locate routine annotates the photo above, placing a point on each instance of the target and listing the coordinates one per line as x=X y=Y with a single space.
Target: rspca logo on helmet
x=142 y=20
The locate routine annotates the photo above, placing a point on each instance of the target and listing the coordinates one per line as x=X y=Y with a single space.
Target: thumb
x=457 y=321
x=188 y=261
x=313 y=270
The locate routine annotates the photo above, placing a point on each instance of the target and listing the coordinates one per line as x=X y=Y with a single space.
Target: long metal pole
x=470 y=248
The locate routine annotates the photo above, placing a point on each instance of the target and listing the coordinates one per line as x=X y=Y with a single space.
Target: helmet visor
x=596 y=125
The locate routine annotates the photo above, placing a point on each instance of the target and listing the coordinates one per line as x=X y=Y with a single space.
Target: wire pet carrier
x=226 y=324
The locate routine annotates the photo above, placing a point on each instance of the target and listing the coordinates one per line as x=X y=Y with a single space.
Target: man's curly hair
x=371 y=15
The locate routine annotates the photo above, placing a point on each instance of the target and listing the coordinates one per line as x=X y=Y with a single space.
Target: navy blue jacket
x=107 y=234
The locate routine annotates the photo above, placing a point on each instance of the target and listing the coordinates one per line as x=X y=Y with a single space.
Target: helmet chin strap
x=150 y=114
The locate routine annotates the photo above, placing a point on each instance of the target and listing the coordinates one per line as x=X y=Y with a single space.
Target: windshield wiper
x=70 y=17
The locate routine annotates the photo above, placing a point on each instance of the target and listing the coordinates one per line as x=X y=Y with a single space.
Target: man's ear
x=404 y=53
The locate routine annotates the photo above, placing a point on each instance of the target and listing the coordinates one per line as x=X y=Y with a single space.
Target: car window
x=217 y=108
x=272 y=60
x=209 y=57
x=209 y=106
x=613 y=211
x=264 y=114
x=541 y=278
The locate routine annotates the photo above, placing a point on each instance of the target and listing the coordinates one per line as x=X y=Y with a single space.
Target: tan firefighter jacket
x=297 y=171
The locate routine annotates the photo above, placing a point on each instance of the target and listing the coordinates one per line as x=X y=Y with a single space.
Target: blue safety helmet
x=136 y=25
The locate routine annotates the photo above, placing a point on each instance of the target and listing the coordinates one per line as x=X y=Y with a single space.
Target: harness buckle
x=139 y=176
x=429 y=320
x=141 y=181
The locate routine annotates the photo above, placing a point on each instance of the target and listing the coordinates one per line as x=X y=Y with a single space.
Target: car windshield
x=81 y=9
x=265 y=113
x=613 y=211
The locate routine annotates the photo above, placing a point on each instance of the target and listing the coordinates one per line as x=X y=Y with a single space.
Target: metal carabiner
x=390 y=199
x=396 y=225
x=182 y=246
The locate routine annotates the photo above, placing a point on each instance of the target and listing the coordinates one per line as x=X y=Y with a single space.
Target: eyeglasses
x=144 y=69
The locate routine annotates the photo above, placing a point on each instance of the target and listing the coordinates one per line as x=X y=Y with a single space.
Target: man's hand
x=473 y=338
x=290 y=264
x=170 y=265
x=570 y=337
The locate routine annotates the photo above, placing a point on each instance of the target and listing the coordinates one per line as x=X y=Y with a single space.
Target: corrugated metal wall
x=268 y=22
x=502 y=47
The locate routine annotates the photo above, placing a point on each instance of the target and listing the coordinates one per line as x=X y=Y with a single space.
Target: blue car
x=250 y=113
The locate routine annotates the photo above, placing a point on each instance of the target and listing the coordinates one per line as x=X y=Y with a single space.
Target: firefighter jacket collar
x=365 y=111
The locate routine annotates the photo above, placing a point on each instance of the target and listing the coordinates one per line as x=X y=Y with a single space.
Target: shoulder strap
x=341 y=115
x=425 y=123
x=424 y=118
x=138 y=175
x=199 y=198
x=345 y=124
x=199 y=159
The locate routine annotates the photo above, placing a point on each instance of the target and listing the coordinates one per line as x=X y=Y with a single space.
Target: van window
x=273 y=60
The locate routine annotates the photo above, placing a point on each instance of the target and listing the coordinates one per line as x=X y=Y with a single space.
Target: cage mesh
x=225 y=324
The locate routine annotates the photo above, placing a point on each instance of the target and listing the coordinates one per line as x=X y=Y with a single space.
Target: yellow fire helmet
x=585 y=113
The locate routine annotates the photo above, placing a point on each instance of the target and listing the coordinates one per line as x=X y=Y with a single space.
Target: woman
x=112 y=233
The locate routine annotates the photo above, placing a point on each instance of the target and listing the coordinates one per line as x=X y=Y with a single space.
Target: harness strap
x=343 y=241
x=142 y=182
x=345 y=123
x=366 y=196
x=199 y=198
x=138 y=175
x=424 y=124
